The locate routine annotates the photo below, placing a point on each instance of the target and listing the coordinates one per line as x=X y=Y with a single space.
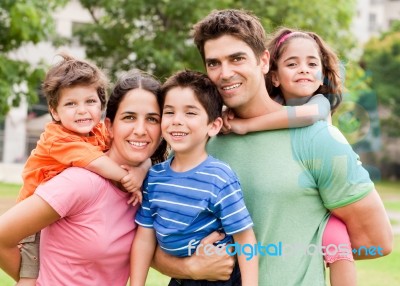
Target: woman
x=88 y=226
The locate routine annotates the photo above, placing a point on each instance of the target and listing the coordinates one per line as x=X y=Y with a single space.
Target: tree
x=154 y=35
x=21 y=22
x=382 y=61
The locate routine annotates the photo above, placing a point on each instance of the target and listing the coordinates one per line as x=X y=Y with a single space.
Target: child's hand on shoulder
x=232 y=123
x=132 y=183
x=135 y=198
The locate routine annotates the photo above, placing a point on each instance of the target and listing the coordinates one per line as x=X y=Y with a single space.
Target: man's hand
x=217 y=266
x=213 y=264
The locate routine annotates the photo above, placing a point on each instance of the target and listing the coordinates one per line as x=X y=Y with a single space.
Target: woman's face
x=135 y=132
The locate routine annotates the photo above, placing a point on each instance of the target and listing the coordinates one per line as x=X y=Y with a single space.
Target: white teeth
x=178 y=134
x=138 y=144
x=82 y=120
x=232 y=86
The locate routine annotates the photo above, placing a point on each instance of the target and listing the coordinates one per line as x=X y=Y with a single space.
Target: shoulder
x=213 y=162
x=320 y=139
x=161 y=167
x=77 y=178
x=100 y=130
x=56 y=132
x=72 y=190
x=323 y=131
x=219 y=168
x=319 y=98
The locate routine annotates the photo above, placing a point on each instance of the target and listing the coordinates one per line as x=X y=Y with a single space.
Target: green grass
x=9 y=190
x=382 y=271
x=154 y=279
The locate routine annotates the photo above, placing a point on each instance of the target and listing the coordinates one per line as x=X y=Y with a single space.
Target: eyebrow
x=133 y=113
x=186 y=106
x=294 y=58
x=231 y=56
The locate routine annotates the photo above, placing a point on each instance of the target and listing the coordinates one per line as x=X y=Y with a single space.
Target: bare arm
x=248 y=265
x=367 y=223
x=131 y=178
x=107 y=168
x=318 y=108
x=142 y=252
x=22 y=220
x=201 y=266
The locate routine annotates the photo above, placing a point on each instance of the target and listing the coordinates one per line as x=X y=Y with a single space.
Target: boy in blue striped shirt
x=191 y=194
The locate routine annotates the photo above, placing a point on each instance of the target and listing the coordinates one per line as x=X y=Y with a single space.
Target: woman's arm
x=317 y=108
x=26 y=218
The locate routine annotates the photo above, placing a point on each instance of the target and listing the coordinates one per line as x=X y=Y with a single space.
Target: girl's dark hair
x=332 y=87
x=131 y=80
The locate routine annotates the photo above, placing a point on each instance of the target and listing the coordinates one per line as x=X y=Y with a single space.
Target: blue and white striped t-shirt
x=190 y=205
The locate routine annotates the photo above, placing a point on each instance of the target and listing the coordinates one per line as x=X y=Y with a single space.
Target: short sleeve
x=144 y=216
x=71 y=191
x=337 y=169
x=231 y=209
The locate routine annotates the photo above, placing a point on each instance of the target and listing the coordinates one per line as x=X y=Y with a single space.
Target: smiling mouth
x=178 y=134
x=137 y=144
x=83 y=120
x=231 y=86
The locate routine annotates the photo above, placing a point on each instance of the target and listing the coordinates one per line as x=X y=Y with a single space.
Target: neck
x=120 y=160
x=183 y=162
x=258 y=106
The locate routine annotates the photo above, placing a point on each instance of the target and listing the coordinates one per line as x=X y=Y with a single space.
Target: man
x=289 y=177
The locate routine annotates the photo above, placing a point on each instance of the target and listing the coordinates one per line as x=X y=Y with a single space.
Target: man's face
x=233 y=67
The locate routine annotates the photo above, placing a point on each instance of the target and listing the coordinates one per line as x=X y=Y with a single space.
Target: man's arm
x=368 y=224
x=198 y=266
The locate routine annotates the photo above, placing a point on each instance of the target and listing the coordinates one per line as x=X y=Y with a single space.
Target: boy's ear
x=54 y=114
x=274 y=79
x=215 y=127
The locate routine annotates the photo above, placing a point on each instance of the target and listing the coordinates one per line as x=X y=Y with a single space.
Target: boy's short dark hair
x=240 y=24
x=205 y=91
x=70 y=72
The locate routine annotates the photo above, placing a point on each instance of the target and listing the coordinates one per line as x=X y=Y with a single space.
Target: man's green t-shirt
x=290 y=178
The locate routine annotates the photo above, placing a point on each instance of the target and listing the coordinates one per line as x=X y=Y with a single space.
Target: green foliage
x=154 y=35
x=22 y=22
x=382 y=61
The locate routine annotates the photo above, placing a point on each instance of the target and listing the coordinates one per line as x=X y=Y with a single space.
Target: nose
x=226 y=71
x=139 y=128
x=177 y=119
x=81 y=109
x=304 y=68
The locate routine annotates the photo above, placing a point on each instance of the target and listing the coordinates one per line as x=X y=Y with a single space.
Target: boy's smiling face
x=184 y=122
x=78 y=109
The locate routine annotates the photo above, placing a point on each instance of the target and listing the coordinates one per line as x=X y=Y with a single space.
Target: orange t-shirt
x=57 y=149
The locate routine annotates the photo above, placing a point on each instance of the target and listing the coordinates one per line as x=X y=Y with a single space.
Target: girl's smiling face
x=299 y=72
